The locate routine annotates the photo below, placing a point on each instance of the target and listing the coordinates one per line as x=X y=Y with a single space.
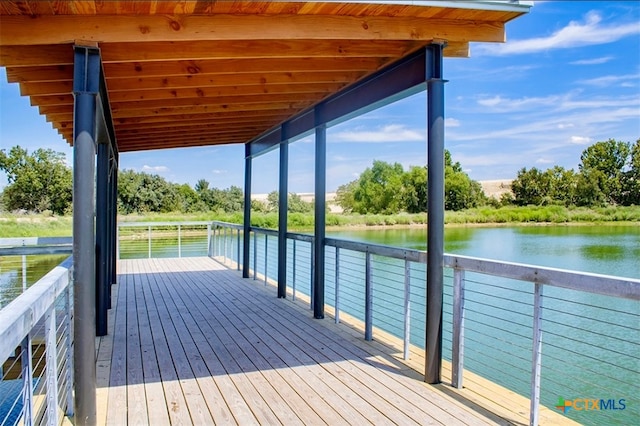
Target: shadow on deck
x=192 y=342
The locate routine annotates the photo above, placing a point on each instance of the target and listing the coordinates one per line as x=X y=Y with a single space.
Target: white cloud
x=580 y=140
x=507 y=104
x=609 y=80
x=218 y=172
x=490 y=101
x=543 y=160
x=451 y=122
x=563 y=126
x=155 y=169
x=575 y=34
x=594 y=61
x=388 y=133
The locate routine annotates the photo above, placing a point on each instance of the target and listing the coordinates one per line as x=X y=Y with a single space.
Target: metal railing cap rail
x=35 y=241
x=22 y=314
x=227 y=224
x=147 y=224
x=257 y=229
x=627 y=288
x=35 y=250
x=379 y=249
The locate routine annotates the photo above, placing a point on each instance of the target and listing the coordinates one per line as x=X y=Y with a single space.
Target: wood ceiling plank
x=202 y=109
x=19 y=56
x=221 y=91
x=47 y=29
x=66 y=99
x=220 y=101
x=230 y=116
x=37 y=74
x=46 y=88
x=234 y=80
x=233 y=66
x=188 y=127
x=147 y=146
x=254 y=49
x=124 y=137
x=245 y=136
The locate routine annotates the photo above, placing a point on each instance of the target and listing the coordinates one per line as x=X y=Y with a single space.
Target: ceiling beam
x=28 y=30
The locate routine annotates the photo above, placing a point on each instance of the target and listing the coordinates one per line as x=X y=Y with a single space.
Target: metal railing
x=36 y=347
x=163 y=239
x=501 y=311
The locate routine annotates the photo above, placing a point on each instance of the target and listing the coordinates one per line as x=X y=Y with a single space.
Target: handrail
x=19 y=324
x=626 y=288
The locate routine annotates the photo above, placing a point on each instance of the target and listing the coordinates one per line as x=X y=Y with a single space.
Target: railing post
x=312 y=280
x=27 y=380
x=179 y=241
x=294 y=271
x=368 y=299
x=24 y=273
x=337 y=284
x=224 y=245
x=536 y=362
x=149 y=241
x=266 y=258
x=51 y=366
x=118 y=242
x=69 y=343
x=238 y=249
x=457 y=350
x=255 y=255
x=210 y=240
x=407 y=308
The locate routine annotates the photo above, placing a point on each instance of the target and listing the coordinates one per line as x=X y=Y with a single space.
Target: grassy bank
x=37 y=225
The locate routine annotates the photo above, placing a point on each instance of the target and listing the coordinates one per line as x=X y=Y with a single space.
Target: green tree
x=415 y=190
x=630 y=180
x=37 y=182
x=605 y=162
x=530 y=187
x=344 y=196
x=143 y=192
x=562 y=186
x=295 y=204
x=379 y=189
x=460 y=191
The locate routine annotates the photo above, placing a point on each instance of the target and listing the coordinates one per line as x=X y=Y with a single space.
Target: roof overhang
x=190 y=73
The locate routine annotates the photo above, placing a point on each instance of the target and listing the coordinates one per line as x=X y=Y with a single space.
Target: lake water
x=590 y=343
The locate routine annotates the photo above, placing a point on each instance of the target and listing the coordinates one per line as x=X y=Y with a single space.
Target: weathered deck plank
x=193 y=343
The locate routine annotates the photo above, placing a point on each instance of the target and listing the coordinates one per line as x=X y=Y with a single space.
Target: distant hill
x=495 y=188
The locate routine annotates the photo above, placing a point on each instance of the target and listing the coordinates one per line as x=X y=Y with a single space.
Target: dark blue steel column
x=435 y=221
x=113 y=216
x=320 y=218
x=113 y=222
x=247 y=214
x=85 y=88
x=282 y=217
x=102 y=251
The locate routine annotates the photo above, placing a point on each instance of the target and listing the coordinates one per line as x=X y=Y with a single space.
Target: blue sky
x=568 y=76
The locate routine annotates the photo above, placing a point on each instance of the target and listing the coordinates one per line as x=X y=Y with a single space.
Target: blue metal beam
x=435 y=220
x=320 y=220
x=283 y=206
x=246 y=241
x=394 y=82
x=86 y=84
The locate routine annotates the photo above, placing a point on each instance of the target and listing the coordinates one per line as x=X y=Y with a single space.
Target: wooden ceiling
x=189 y=73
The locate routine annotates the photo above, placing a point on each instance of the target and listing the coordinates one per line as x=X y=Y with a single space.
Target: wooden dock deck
x=191 y=342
